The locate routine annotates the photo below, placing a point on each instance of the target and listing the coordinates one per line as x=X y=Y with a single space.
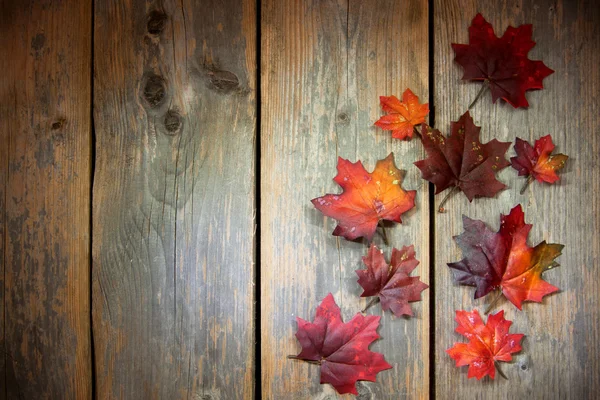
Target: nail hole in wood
x=172 y=122
x=154 y=90
x=156 y=22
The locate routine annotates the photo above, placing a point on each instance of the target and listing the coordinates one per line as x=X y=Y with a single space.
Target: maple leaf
x=366 y=199
x=502 y=62
x=391 y=283
x=537 y=162
x=488 y=343
x=402 y=115
x=341 y=349
x=503 y=260
x=461 y=160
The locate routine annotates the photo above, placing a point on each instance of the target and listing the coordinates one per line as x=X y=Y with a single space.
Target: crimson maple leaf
x=537 y=162
x=341 y=349
x=402 y=115
x=391 y=283
x=462 y=161
x=366 y=199
x=502 y=62
x=488 y=343
x=502 y=260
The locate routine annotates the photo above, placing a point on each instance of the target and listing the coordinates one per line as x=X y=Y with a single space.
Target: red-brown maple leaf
x=462 y=161
x=366 y=199
x=391 y=282
x=538 y=161
x=488 y=343
x=502 y=62
x=341 y=349
x=402 y=115
x=503 y=260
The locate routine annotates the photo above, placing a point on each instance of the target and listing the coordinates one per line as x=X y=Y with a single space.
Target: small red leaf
x=367 y=198
x=391 y=282
x=402 y=115
x=488 y=343
x=538 y=161
x=503 y=62
x=341 y=349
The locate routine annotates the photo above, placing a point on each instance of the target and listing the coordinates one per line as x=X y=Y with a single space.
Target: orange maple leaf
x=366 y=199
x=402 y=115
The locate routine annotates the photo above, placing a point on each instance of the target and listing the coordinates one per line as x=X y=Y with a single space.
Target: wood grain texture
x=560 y=356
x=324 y=65
x=45 y=182
x=173 y=213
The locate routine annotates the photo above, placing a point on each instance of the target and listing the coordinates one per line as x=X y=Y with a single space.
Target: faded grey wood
x=324 y=65
x=560 y=357
x=45 y=182
x=173 y=212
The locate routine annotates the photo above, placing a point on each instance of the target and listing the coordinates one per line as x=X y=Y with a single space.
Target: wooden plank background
x=45 y=148
x=173 y=250
x=324 y=65
x=560 y=352
x=177 y=181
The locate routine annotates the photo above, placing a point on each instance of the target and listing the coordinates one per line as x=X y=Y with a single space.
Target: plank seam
x=257 y=211
x=91 y=222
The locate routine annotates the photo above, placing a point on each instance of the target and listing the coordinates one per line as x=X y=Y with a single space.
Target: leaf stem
x=374 y=300
x=483 y=87
x=441 y=206
x=527 y=183
x=497 y=365
x=302 y=359
x=489 y=307
x=385 y=238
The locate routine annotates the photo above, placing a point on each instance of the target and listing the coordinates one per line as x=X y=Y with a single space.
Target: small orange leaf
x=402 y=115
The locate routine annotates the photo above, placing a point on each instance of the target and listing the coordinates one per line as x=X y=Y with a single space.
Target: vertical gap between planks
x=432 y=214
x=91 y=216
x=257 y=211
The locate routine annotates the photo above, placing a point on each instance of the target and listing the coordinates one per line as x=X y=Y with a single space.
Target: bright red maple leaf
x=503 y=260
x=391 y=282
x=341 y=349
x=366 y=198
x=502 y=62
x=461 y=160
x=488 y=343
x=402 y=115
x=538 y=162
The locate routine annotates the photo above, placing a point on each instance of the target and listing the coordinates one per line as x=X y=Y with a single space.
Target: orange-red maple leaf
x=402 y=115
x=503 y=62
x=341 y=349
x=488 y=343
x=462 y=161
x=367 y=198
x=391 y=282
x=503 y=260
x=538 y=161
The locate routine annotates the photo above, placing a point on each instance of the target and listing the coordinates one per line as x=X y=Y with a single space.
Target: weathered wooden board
x=45 y=182
x=560 y=358
x=324 y=65
x=173 y=212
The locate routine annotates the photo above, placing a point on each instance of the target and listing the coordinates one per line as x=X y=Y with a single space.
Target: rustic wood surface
x=173 y=212
x=559 y=359
x=45 y=181
x=324 y=65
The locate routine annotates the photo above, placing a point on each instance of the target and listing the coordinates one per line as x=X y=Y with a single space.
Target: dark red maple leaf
x=391 y=282
x=537 y=162
x=461 y=160
x=502 y=62
x=341 y=349
x=367 y=198
x=488 y=343
x=502 y=260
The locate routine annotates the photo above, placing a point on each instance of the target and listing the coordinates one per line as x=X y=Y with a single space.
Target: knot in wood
x=172 y=122
x=156 y=22
x=223 y=81
x=154 y=90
